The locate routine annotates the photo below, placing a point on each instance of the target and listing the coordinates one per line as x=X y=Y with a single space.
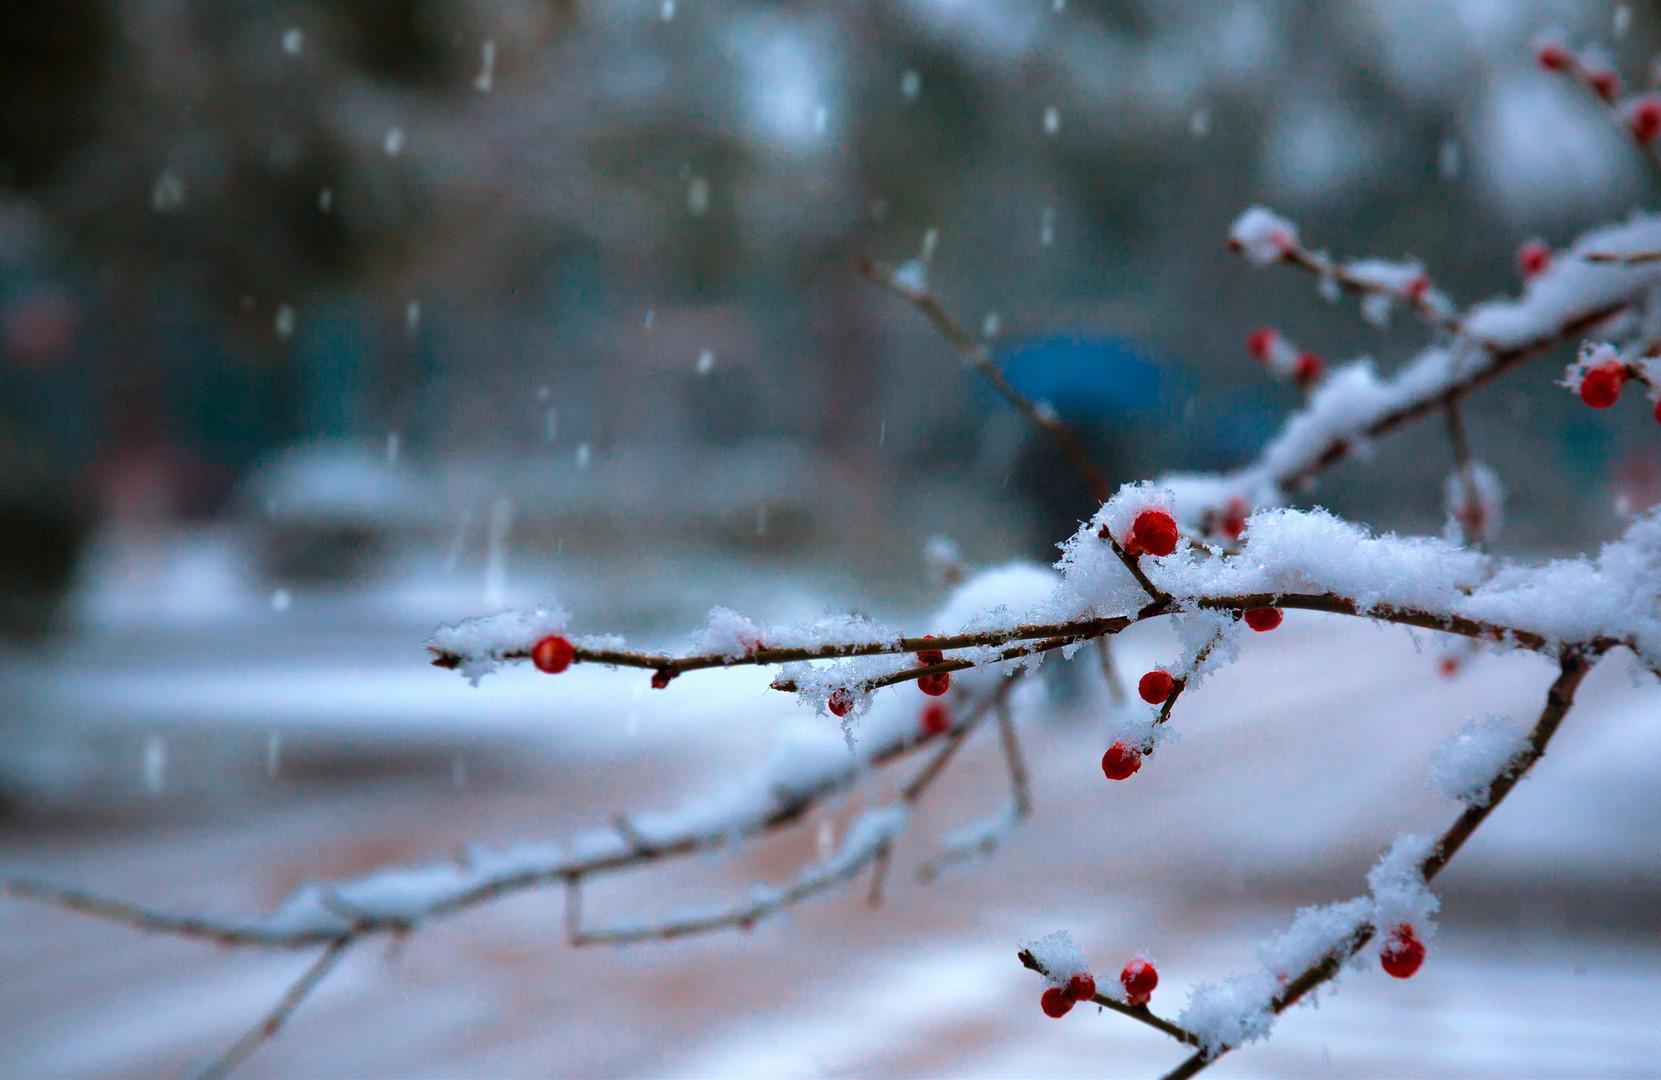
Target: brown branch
x=1110 y=670
x=1573 y=666
x=1140 y=1013
x=1622 y=258
x=972 y=353
x=1463 y=463
x=1058 y=634
x=1500 y=362
x=1293 y=253
x=1019 y=785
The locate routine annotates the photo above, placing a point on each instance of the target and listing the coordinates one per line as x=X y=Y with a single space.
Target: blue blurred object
x=1091 y=378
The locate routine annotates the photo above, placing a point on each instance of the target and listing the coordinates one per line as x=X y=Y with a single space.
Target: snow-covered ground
x=1296 y=766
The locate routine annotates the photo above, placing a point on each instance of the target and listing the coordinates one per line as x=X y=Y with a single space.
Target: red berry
x=1154 y=532
x=1644 y=121
x=1056 y=1003
x=1121 y=761
x=1606 y=83
x=553 y=654
x=1416 y=287
x=1552 y=56
x=935 y=685
x=936 y=718
x=1533 y=258
x=1155 y=687
x=1448 y=666
x=661 y=677
x=1658 y=412
x=929 y=656
x=1139 y=979
x=1260 y=341
x=1308 y=369
x=1263 y=619
x=1601 y=387
x=1233 y=523
x=840 y=702
x=1081 y=987
x=1403 y=953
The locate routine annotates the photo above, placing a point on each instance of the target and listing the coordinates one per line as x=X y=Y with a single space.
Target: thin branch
x=1577 y=73
x=858 y=852
x=1499 y=362
x=1059 y=635
x=1463 y=463
x=1622 y=258
x=1423 y=301
x=1110 y=670
x=972 y=353
x=279 y=1014
x=1019 y=785
x=1573 y=666
x=1140 y=1013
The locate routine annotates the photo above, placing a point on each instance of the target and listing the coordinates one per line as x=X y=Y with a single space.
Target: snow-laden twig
x=801 y=773
x=1266 y=238
x=1354 y=406
x=1559 y=699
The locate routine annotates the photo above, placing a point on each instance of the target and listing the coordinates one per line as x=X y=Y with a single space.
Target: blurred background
x=323 y=323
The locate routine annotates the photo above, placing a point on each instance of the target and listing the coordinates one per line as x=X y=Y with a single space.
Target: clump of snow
x=1209 y=640
x=1466 y=766
x=1399 y=892
x=913 y=274
x=728 y=634
x=1316 y=933
x=1571 y=286
x=1059 y=957
x=1296 y=551
x=1231 y=1013
x=1262 y=235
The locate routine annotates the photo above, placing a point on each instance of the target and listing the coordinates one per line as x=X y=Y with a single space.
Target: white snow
x=1466 y=766
x=1058 y=956
x=1262 y=235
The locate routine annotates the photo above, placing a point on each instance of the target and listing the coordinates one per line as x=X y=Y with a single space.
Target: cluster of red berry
x=1138 y=978
x=1154 y=532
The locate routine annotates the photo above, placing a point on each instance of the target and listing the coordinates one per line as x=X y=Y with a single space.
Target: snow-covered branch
x=1322 y=940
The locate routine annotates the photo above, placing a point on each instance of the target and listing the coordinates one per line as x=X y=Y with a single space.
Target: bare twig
x=972 y=353
x=1110 y=671
x=1020 y=788
x=1470 y=504
x=268 y=1027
